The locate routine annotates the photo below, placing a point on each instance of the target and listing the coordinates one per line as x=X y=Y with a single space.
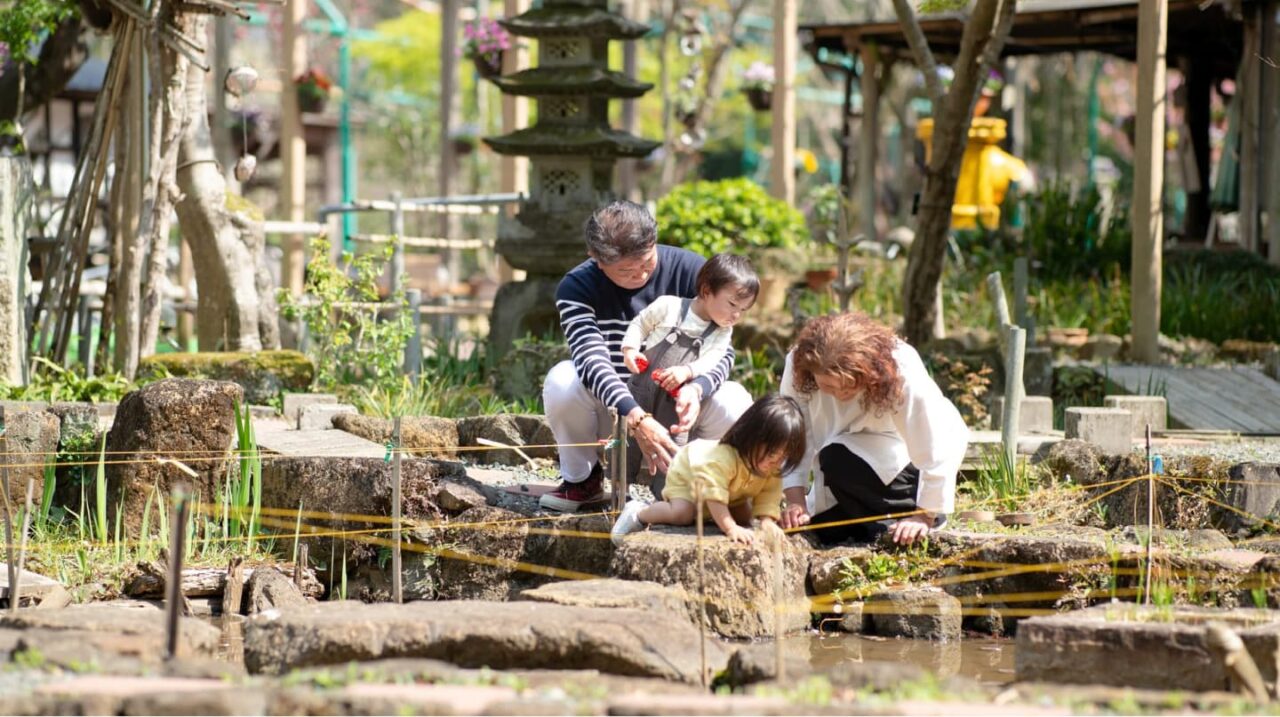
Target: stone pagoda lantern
x=572 y=152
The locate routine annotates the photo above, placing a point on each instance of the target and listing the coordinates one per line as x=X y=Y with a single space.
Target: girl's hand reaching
x=739 y=534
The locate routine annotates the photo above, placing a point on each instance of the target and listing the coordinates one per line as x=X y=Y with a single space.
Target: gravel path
x=1260 y=450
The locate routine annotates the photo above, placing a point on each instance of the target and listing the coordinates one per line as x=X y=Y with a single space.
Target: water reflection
x=986 y=660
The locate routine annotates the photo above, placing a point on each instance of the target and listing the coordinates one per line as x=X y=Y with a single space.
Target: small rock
x=456 y=497
x=510 y=430
x=1246 y=351
x=269 y=588
x=419 y=435
x=826 y=566
x=293 y=403
x=921 y=613
x=319 y=416
x=1081 y=461
x=1101 y=347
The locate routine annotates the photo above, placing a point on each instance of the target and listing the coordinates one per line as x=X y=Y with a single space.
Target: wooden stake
x=702 y=588
x=173 y=585
x=996 y=288
x=10 y=562
x=397 y=586
x=15 y=596
x=300 y=567
x=1013 y=393
x=620 y=476
x=233 y=591
x=1151 y=513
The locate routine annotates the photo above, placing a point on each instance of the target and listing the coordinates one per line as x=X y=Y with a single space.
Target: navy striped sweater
x=595 y=312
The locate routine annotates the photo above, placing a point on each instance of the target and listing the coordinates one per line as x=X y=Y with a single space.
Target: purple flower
x=485 y=37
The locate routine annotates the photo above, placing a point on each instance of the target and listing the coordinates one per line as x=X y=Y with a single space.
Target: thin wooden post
x=397 y=234
x=293 y=143
x=620 y=481
x=1148 y=180
x=1151 y=515
x=868 y=139
x=782 y=180
x=397 y=586
x=233 y=590
x=448 y=91
x=10 y=561
x=413 y=349
x=15 y=593
x=995 y=286
x=300 y=567
x=1013 y=393
x=702 y=587
x=173 y=586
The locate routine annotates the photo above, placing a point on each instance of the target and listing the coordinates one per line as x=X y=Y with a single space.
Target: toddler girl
x=740 y=475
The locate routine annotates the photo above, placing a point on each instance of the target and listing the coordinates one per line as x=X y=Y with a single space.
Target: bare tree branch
x=920 y=48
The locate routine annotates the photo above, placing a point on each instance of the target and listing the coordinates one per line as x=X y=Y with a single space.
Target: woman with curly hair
x=888 y=443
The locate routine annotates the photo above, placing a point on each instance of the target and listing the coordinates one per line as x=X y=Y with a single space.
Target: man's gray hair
x=620 y=230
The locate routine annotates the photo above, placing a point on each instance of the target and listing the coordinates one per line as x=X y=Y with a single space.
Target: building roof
x=1210 y=33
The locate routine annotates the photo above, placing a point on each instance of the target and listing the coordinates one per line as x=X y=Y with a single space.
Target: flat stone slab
x=519 y=635
x=32 y=585
x=614 y=593
x=123 y=686
x=275 y=436
x=446 y=699
x=1128 y=645
x=134 y=629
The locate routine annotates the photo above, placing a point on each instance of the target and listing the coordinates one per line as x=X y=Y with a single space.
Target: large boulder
x=30 y=441
x=740 y=580
x=426 y=436
x=519 y=635
x=1254 y=493
x=192 y=421
x=356 y=492
x=918 y=613
x=508 y=429
x=269 y=588
x=481 y=555
x=264 y=375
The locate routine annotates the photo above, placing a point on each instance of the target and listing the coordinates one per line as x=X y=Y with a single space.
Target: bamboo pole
x=1013 y=393
x=397 y=585
x=173 y=585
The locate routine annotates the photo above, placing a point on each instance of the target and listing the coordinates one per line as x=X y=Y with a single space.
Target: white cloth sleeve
x=934 y=433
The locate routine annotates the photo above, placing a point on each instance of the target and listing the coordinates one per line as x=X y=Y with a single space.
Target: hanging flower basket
x=761 y=99
x=311 y=102
x=489 y=64
x=314 y=88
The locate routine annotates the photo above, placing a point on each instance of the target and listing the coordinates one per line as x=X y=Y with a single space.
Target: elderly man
x=625 y=271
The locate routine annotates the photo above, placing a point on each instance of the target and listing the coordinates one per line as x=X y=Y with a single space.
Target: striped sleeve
x=712 y=380
x=591 y=356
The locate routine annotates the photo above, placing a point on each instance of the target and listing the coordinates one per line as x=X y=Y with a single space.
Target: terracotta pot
x=984 y=104
x=976 y=516
x=1074 y=338
x=761 y=100
x=820 y=279
x=773 y=294
x=463 y=146
x=488 y=65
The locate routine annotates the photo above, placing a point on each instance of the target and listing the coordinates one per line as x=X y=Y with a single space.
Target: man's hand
x=688 y=406
x=635 y=361
x=673 y=378
x=655 y=444
x=909 y=530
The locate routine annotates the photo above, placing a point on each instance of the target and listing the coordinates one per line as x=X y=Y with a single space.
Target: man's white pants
x=576 y=416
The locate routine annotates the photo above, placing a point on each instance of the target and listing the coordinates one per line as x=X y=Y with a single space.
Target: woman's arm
x=934 y=432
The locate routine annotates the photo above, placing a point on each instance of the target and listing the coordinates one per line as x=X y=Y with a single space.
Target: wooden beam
x=1148 y=226
x=293 y=144
x=868 y=139
x=1270 y=135
x=783 y=177
x=1250 y=90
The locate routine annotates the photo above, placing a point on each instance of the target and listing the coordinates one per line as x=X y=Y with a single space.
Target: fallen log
x=149 y=581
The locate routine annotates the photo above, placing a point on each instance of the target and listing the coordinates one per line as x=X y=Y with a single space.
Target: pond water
x=987 y=660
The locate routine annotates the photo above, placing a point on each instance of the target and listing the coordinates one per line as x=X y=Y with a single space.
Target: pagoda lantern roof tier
x=573 y=140
x=574 y=20
x=571 y=80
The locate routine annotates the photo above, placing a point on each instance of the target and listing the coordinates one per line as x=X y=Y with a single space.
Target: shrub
x=733 y=215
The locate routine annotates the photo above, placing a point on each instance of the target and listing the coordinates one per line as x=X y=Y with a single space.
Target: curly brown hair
x=855 y=348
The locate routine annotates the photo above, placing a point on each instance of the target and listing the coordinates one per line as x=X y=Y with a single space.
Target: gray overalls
x=677 y=348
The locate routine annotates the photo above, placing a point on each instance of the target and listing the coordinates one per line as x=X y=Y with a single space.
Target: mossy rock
x=264 y=375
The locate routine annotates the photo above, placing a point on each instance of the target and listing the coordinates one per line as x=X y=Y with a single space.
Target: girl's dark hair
x=773 y=423
x=724 y=270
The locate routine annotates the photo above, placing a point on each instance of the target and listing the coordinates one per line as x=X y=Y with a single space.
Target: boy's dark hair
x=773 y=423
x=724 y=270
x=620 y=230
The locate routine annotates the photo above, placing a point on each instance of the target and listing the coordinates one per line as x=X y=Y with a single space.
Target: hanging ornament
x=240 y=81
x=245 y=167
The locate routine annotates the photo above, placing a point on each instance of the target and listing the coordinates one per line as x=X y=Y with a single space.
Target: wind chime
x=238 y=83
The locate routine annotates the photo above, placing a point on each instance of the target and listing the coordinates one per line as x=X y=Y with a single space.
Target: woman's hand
x=909 y=530
x=655 y=443
x=796 y=513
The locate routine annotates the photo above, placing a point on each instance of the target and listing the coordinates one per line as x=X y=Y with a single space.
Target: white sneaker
x=628 y=520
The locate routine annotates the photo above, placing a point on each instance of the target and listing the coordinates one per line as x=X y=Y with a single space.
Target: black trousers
x=860 y=493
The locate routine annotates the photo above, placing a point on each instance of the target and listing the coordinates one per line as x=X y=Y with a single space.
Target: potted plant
x=822 y=212
x=484 y=42
x=990 y=88
x=314 y=90
x=757 y=83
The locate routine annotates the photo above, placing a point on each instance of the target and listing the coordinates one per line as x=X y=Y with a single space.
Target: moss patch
x=263 y=374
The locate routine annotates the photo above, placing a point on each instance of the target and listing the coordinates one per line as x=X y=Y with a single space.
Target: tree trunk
x=980 y=47
x=230 y=312
x=138 y=198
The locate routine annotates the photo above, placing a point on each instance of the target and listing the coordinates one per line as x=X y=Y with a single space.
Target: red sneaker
x=570 y=497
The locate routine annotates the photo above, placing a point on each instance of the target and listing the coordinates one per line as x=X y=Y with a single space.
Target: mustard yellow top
x=724 y=477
